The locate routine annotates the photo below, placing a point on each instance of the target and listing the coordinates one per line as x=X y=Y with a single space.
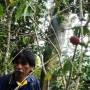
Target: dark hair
x=24 y=55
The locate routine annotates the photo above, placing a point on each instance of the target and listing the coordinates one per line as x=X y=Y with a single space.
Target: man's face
x=22 y=69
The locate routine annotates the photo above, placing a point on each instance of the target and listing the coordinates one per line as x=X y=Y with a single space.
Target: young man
x=22 y=78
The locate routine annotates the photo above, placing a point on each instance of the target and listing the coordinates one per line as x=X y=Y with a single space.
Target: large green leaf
x=19 y=11
x=67 y=67
x=48 y=76
x=1 y=10
x=86 y=30
x=77 y=30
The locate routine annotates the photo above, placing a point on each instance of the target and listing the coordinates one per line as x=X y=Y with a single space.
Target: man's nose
x=19 y=65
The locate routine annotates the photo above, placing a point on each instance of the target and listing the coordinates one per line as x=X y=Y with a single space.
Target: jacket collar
x=12 y=80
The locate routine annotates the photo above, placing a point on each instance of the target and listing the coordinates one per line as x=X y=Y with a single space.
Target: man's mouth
x=19 y=71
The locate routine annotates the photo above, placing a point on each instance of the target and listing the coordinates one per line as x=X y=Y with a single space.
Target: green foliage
x=60 y=18
x=19 y=11
x=3 y=36
x=48 y=76
x=84 y=73
x=48 y=52
x=37 y=72
x=77 y=30
x=24 y=22
x=29 y=8
x=56 y=81
x=24 y=41
x=1 y=11
x=24 y=19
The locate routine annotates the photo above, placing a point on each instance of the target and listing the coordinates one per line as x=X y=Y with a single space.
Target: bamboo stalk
x=8 y=38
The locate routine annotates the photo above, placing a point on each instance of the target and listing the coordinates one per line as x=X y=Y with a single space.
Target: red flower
x=74 y=40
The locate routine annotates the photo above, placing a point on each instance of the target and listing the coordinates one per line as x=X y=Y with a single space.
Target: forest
x=58 y=31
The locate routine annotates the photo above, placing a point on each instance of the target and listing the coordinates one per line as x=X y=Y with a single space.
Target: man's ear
x=31 y=69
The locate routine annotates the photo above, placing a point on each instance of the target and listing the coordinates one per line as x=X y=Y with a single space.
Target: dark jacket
x=8 y=83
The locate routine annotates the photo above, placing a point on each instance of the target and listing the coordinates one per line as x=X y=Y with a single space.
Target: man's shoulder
x=4 y=78
x=34 y=82
x=32 y=78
